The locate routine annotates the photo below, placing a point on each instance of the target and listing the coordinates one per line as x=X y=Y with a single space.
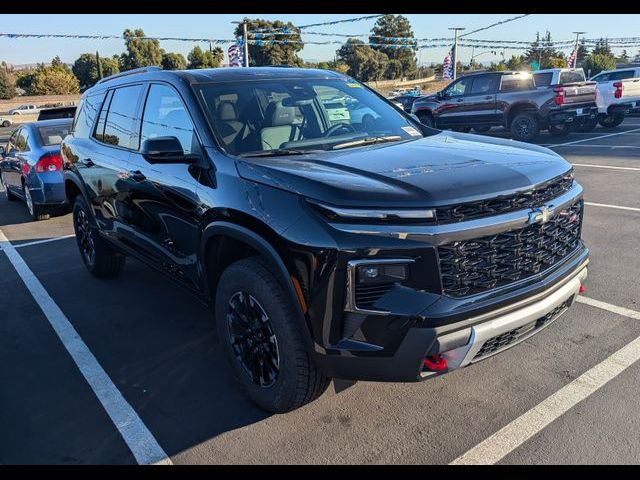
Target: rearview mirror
x=165 y=150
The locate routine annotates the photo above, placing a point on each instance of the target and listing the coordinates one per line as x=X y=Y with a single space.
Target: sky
x=22 y=51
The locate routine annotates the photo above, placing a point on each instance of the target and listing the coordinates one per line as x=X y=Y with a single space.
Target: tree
x=518 y=63
x=173 y=61
x=597 y=62
x=498 y=67
x=199 y=58
x=542 y=54
x=637 y=57
x=602 y=47
x=87 y=69
x=141 y=52
x=50 y=80
x=623 y=58
x=365 y=63
x=7 y=83
x=277 y=53
x=398 y=27
x=394 y=69
x=582 y=54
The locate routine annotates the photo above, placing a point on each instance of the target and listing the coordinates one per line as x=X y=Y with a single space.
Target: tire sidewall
x=80 y=204
x=534 y=127
x=242 y=276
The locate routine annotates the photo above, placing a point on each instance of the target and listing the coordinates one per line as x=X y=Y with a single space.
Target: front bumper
x=571 y=115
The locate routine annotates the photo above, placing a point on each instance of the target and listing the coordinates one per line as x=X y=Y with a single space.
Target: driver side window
x=459 y=88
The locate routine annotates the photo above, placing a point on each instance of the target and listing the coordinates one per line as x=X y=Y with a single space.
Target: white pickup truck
x=25 y=109
x=618 y=94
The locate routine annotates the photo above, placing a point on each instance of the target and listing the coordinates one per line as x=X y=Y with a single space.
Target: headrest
x=227 y=112
x=277 y=114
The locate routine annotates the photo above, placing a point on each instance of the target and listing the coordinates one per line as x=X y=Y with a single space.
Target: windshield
x=297 y=115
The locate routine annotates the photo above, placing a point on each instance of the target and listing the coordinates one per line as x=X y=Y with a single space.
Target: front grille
x=366 y=296
x=501 y=341
x=473 y=266
x=495 y=206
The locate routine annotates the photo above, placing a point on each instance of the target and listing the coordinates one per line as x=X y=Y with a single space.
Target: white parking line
x=609 y=307
x=510 y=437
x=137 y=436
x=612 y=167
x=613 y=147
x=595 y=138
x=617 y=207
x=46 y=240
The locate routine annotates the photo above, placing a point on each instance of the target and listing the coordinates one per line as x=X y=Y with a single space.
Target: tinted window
x=86 y=115
x=118 y=127
x=571 y=77
x=542 y=79
x=516 y=83
x=53 y=134
x=603 y=77
x=484 y=84
x=99 y=133
x=166 y=116
x=459 y=88
x=621 y=75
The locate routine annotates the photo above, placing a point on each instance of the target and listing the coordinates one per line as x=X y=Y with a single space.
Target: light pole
x=245 y=43
x=577 y=37
x=455 y=49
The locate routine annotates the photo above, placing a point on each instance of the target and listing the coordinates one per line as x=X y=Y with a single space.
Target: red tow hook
x=435 y=363
x=582 y=289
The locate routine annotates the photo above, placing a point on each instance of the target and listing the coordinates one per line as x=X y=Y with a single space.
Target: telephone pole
x=455 y=50
x=577 y=37
x=244 y=41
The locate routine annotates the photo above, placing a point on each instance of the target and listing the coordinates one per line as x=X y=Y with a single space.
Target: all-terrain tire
x=525 y=127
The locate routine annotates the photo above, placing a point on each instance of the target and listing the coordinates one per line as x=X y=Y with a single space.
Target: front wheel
x=99 y=258
x=525 y=127
x=263 y=339
x=611 y=121
x=559 y=130
x=426 y=119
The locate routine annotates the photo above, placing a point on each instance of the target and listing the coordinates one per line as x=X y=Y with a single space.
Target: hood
x=445 y=168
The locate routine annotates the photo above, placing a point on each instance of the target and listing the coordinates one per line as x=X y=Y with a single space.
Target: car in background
x=404 y=101
x=57 y=112
x=510 y=99
x=31 y=166
x=618 y=95
x=5 y=122
x=25 y=109
x=337 y=111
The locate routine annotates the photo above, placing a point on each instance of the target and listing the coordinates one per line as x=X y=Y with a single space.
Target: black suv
x=351 y=243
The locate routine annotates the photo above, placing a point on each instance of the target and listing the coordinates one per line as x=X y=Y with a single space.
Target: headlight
x=386 y=215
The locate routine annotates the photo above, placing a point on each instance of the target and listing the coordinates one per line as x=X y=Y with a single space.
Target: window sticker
x=411 y=131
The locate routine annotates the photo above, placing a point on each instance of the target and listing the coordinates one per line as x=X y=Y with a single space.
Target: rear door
x=19 y=149
x=480 y=103
x=164 y=205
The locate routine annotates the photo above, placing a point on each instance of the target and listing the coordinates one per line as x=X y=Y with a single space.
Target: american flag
x=447 y=66
x=236 y=56
x=571 y=61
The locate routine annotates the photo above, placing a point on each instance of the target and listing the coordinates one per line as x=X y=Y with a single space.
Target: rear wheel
x=525 y=127
x=10 y=196
x=6 y=123
x=99 y=258
x=611 y=121
x=426 y=119
x=37 y=212
x=559 y=130
x=263 y=339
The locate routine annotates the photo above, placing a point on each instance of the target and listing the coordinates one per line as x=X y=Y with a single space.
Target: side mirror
x=165 y=150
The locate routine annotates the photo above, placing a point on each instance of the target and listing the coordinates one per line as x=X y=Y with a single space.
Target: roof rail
x=130 y=72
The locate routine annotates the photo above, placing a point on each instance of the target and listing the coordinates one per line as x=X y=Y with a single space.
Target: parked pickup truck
x=509 y=99
x=376 y=248
x=24 y=110
x=618 y=94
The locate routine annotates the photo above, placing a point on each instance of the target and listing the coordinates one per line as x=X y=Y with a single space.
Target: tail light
x=618 y=92
x=559 y=91
x=49 y=163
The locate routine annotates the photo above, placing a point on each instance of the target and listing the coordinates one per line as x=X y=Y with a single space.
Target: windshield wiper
x=367 y=141
x=277 y=153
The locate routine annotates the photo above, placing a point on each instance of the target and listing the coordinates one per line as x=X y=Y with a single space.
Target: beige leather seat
x=279 y=127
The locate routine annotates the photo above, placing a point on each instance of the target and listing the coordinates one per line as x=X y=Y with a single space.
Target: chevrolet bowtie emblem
x=540 y=215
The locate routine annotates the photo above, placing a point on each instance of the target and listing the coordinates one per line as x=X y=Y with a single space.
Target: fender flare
x=73 y=177
x=262 y=246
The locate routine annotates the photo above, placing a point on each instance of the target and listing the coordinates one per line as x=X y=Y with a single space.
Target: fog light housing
x=374 y=273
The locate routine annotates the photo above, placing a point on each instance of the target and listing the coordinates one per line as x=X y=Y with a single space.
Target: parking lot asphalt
x=157 y=345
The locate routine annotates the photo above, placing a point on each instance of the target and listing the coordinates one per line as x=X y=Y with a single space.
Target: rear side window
x=484 y=84
x=542 y=79
x=516 y=83
x=571 y=77
x=52 y=134
x=166 y=116
x=86 y=115
x=22 y=140
x=621 y=75
x=120 y=118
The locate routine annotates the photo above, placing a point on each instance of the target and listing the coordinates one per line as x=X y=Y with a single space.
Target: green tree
x=623 y=58
x=501 y=66
x=602 y=48
x=87 y=70
x=396 y=26
x=365 y=63
x=7 y=83
x=199 y=58
x=274 y=54
x=173 y=61
x=517 y=63
x=141 y=52
x=51 y=80
x=582 y=54
x=597 y=62
x=542 y=53
x=394 y=69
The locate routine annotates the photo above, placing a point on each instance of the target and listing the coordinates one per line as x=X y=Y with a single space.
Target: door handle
x=87 y=162
x=137 y=176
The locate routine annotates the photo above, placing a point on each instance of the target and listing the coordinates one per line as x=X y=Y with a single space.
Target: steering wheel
x=339 y=126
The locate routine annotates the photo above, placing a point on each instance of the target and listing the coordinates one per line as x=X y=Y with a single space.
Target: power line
x=495 y=24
